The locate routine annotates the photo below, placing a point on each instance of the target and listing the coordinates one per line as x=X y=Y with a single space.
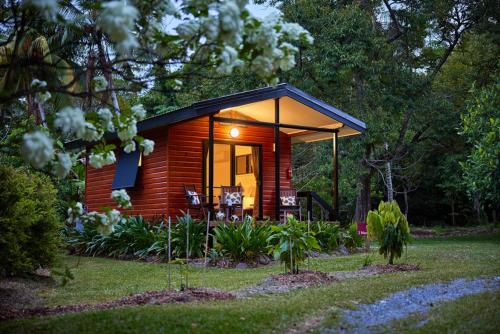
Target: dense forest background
x=423 y=75
x=409 y=69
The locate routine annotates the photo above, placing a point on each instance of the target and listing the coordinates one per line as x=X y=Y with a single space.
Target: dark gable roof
x=210 y=106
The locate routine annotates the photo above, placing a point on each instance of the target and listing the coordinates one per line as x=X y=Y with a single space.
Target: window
x=126 y=170
x=244 y=164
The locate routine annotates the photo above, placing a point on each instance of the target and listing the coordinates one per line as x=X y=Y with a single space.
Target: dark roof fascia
x=214 y=105
x=325 y=109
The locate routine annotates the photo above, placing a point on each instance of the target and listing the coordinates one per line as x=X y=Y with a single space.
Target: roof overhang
x=297 y=108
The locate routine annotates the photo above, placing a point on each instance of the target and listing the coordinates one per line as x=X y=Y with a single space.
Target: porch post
x=335 y=175
x=277 y=201
x=211 y=162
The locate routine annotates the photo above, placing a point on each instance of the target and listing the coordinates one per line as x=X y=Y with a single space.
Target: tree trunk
x=405 y=194
x=103 y=59
x=363 y=204
x=453 y=212
x=388 y=181
x=41 y=112
x=391 y=258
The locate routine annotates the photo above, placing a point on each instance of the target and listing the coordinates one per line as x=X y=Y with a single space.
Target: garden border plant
x=389 y=226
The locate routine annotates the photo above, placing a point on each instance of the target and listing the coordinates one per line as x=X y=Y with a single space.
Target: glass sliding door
x=237 y=165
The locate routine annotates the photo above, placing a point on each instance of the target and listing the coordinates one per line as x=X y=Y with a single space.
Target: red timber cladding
x=149 y=197
x=185 y=155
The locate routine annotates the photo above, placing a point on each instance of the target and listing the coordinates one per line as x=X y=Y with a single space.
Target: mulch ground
x=306 y=277
x=392 y=268
x=150 y=298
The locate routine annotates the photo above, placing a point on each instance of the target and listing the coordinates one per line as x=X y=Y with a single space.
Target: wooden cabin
x=250 y=135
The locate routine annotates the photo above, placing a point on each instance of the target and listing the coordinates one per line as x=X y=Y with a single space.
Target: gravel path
x=366 y=318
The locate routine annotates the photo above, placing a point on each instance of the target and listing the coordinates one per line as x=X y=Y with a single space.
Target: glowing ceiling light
x=234 y=132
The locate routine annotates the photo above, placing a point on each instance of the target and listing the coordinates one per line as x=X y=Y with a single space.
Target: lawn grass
x=470 y=314
x=104 y=279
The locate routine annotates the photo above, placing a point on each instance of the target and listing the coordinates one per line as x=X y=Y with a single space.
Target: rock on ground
x=368 y=317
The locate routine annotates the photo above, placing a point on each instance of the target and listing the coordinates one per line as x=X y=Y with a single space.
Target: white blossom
x=139 y=112
x=128 y=131
x=74 y=212
x=104 y=226
x=100 y=83
x=130 y=147
x=263 y=66
x=114 y=216
x=99 y=160
x=71 y=121
x=290 y=48
x=177 y=84
x=38 y=83
x=229 y=15
x=121 y=198
x=229 y=60
x=117 y=20
x=96 y=217
x=63 y=165
x=147 y=146
x=78 y=208
x=168 y=7
x=287 y=63
x=106 y=117
x=43 y=97
x=188 y=29
x=91 y=133
x=37 y=148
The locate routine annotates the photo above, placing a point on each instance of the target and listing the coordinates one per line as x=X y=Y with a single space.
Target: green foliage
x=242 y=242
x=186 y=225
x=131 y=236
x=293 y=242
x=351 y=239
x=481 y=128
x=29 y=223
x=390 y=228
x=328 y=235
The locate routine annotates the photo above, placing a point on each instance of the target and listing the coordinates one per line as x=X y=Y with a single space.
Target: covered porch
x=290 y=114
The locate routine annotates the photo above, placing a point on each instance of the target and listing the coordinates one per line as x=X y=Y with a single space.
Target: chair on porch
x=289 y=203
x=231 y=198
x=196 y=201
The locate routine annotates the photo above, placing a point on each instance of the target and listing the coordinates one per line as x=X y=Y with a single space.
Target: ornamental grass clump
x=291 y=242
x=388 y=225
x=187 y=227
x=242 y=242
x=328 y=235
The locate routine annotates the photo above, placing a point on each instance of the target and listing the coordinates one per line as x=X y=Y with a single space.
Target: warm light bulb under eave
x=234 y=132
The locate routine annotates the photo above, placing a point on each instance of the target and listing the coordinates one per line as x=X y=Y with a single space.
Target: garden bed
x=151 y=298
x=280 y=283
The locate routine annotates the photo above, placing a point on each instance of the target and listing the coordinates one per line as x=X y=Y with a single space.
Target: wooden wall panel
x=149 y=197
x=177 y=160
x=185 y=152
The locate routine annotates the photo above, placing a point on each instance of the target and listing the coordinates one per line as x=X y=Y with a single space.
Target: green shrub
x=293 y=241
x=186 y=224
x=328 y=235
x=29 y=224
x=350 y=238
x=389 y=226
x=131 y=236
x=243 y=242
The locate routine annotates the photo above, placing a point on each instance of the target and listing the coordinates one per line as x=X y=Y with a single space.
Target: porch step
x=313 y=196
